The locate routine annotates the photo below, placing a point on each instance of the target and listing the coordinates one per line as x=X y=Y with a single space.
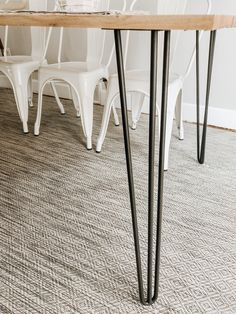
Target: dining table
x=155 y=25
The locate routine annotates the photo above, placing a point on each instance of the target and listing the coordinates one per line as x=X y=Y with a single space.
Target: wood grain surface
x=117 y=21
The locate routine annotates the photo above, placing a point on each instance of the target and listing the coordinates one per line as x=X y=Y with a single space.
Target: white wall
x=223 y=83
x=223 y=95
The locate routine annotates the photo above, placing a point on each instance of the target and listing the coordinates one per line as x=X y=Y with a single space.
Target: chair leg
x=169 y=128
x=21 y=93
x=76 y=102
x=25 y=127
x=87 y=119
x=30 y=92
x=102 y=100
x=136 y=108
x=21 y=97
x=116 y=118
x=179 y=115
x=84 y=96
x=39 y=112
x=105 y=122
x=59 y=103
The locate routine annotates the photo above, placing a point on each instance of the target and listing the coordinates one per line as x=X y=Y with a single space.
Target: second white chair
x=137 y=81
x=83 y=77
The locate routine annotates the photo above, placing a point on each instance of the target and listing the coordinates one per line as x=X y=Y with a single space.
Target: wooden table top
x=119 y=21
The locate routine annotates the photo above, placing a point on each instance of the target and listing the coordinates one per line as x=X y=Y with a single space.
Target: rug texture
x=66 y=243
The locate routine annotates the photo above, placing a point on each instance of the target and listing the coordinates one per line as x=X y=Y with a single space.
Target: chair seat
x=139 y=81
x=144 y=76
x=18 y=60
x=81 y=68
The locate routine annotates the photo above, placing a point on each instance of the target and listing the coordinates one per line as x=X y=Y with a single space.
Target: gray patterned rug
x=66 y=241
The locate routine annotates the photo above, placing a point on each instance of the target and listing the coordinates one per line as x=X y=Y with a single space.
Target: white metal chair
x=137 y=82
x=19 y=69
x=83 y=77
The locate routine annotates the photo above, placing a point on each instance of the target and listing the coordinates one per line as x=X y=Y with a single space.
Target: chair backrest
x=208 y=9
x=100 y=43
x=160 y=7
x=96 y=39
x=175 y=7
x=9 y=5
x=38 y=34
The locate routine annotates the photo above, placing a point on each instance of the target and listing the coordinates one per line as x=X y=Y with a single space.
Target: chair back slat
x=137 y=47
x=96 y=38
x=7 y=5
x=97 y=42
x=188 y=52
x=38 y=34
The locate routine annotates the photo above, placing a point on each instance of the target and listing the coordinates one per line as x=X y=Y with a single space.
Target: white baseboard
x=219 y=117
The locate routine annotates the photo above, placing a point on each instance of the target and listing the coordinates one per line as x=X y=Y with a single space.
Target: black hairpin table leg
x=201 y=144
x=152 y=286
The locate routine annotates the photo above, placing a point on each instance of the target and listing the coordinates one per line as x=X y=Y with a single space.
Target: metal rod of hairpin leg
x=202 y=145
x=121 y=78
x=164 y=102
x=198 y=92
x=151 y=161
